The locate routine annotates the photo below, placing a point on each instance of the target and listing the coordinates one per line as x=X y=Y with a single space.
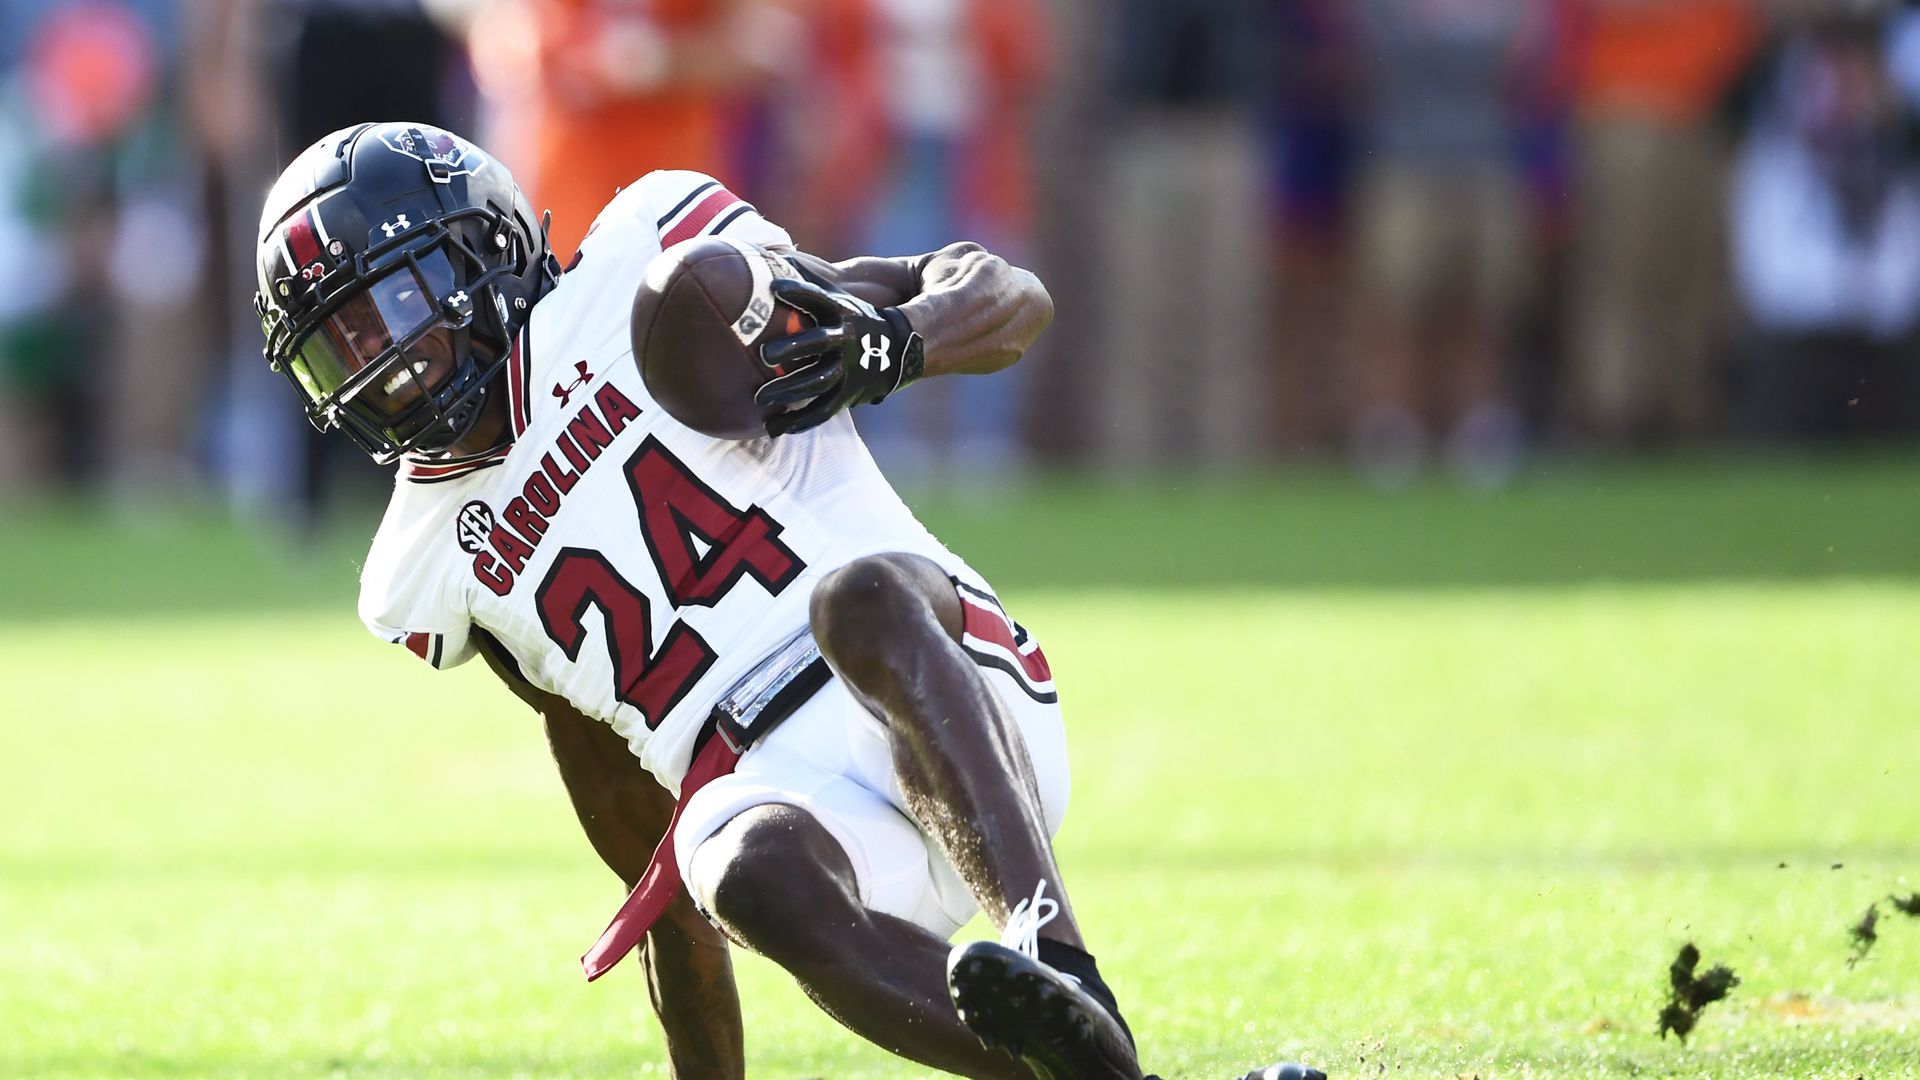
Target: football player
x=760 y=675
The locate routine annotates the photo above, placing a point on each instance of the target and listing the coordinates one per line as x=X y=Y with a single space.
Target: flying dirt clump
x=1864 y=934
x=1689 y=994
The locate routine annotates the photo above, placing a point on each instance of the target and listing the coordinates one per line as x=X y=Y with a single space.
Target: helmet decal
x=443 y=152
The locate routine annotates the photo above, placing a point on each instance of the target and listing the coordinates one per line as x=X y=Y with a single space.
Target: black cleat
x=1017 y=1004
x=1286 y=1070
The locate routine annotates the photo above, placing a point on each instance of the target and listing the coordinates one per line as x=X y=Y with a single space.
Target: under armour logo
x=393 y=228
x=565 y=392
x=459 y=299
x=872 y=351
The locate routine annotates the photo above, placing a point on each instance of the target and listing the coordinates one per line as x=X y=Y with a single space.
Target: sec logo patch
x=473 y=526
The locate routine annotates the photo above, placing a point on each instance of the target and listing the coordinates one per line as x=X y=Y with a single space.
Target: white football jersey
x=628 y=564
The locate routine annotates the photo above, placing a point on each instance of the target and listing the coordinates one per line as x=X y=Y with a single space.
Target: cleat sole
x=1003 y=999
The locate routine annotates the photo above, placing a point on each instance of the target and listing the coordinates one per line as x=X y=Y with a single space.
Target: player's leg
x=780 y=884
x=891 y=625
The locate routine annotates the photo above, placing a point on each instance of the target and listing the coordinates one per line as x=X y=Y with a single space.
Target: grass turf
x=1322 y=809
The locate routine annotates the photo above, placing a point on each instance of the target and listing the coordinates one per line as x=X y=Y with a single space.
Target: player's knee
x=771 y=878
x=741 y=899
x=881 y=599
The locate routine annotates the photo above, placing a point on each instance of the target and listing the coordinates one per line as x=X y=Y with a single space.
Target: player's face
x=404 y=384
x=353 y=352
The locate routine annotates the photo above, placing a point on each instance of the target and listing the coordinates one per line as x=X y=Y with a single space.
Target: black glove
x=864 y=353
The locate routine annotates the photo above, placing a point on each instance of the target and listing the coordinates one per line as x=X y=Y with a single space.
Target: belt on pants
x=754 y=706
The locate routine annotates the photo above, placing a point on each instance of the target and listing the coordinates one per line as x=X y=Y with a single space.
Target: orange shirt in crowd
x=588 y=133
x=1014 y=41
x=1011 y=42
x=1668 y=60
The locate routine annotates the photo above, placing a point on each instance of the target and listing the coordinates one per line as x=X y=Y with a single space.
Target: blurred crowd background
x=1412 y=236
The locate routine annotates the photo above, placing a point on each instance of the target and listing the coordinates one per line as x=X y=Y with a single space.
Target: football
x=699 y=319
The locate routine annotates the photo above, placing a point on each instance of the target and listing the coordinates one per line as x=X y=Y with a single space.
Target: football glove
x=855 y=354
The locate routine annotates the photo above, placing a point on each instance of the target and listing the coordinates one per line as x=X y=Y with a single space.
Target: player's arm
x=625 y=812
x=974 y=311
x=961 y=310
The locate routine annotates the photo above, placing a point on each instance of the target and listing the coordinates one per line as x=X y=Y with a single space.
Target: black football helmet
x=397 y=263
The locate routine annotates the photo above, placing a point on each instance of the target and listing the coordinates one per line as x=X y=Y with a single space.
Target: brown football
x=699 y=320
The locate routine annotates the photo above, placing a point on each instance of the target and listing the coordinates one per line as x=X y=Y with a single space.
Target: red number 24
x=674 y=508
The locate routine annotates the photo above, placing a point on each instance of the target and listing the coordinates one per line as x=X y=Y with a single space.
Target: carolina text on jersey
x=501 y=546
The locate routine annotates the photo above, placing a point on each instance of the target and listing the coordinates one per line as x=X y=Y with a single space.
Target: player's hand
x=855 y=354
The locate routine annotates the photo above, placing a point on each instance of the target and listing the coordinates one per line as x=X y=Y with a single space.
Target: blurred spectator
x=271 y=77
x=73 y=99
x=1545 y=108
x=41 y=325
x=803 y=136
x=1826 y=233
x=1444 y=234
x=592 y=94
x=954 y=82
x=1180 y=370
x=1647 y=248
x=354 y=61
x=161 y=348
x=1311 y=143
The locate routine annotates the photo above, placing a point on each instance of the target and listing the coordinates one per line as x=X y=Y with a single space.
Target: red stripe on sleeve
x=992 y=627
x=699 y=217
x=418 y=644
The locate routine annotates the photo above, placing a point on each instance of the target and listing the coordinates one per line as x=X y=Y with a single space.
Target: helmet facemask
x=406 y=342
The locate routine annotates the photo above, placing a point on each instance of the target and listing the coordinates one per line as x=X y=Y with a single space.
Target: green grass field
x=1422 y=786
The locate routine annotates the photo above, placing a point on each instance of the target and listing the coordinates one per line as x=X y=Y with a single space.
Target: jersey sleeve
x=676 y=205
x=406 y=596
x=442 y=650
